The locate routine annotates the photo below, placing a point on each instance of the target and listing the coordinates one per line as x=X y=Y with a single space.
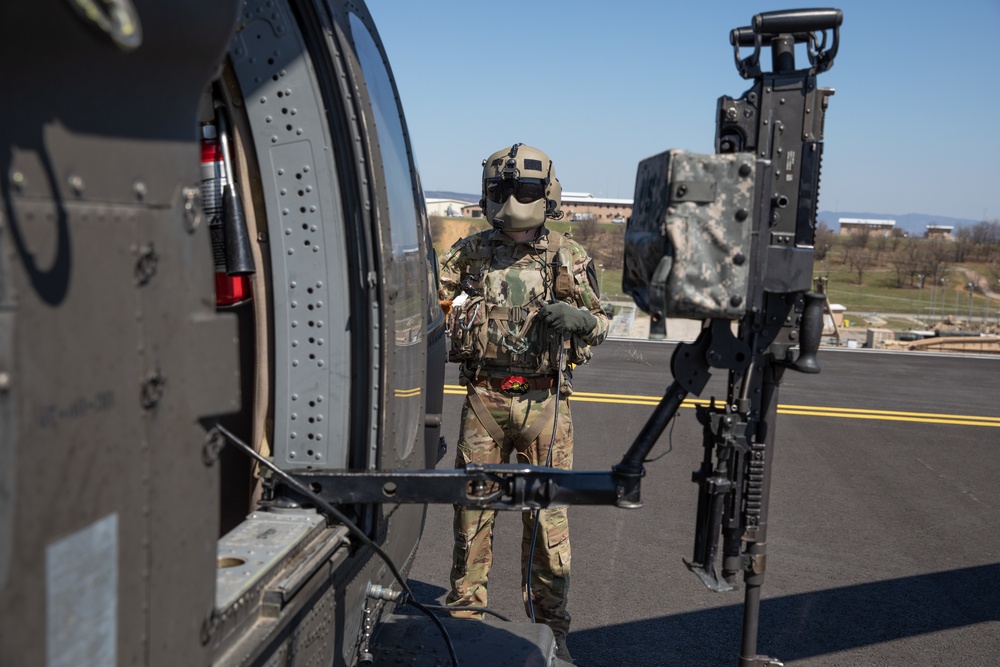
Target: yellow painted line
x=408 y=393
x=890 y=413
x=586 y=397
x=913 y=417
x=783 y=409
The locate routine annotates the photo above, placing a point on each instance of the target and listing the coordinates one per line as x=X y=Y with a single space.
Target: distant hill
x=913 y=223
x=445 y=194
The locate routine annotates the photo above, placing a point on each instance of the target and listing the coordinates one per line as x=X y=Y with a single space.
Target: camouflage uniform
x=496 y=336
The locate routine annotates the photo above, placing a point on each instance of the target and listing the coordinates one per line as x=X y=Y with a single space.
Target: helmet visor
x=524 y=190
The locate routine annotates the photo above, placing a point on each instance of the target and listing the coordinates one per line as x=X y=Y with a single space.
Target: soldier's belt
x=517 y=384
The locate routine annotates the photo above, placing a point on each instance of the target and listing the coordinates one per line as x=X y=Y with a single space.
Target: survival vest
x=514 y=337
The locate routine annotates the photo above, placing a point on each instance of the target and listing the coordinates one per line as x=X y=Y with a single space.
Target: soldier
x=531 y=313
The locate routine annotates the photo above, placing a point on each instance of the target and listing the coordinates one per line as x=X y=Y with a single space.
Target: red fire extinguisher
x=232 y=284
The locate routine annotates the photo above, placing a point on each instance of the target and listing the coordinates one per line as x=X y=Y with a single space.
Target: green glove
x=564 y=317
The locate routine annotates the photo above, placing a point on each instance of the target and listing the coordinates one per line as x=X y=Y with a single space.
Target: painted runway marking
x=786 y=409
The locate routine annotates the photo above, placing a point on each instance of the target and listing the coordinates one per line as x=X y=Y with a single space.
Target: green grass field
x=879 y=294
x=877 y=298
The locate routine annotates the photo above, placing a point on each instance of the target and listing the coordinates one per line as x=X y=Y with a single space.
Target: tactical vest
x=515 y=338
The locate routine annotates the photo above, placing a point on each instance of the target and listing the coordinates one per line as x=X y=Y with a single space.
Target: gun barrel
x=797 y=20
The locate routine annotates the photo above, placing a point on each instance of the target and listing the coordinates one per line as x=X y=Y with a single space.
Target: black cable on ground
x=483 y=610
x=333 y=512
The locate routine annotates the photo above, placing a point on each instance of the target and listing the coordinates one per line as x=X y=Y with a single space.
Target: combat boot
x=562 y=652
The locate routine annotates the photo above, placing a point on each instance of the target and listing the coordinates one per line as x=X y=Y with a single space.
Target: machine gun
x=729 y=237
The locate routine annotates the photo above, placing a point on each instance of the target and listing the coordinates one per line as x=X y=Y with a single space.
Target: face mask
x=513 y=216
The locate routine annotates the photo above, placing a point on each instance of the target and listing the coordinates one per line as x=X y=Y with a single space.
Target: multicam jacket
x=497 y=326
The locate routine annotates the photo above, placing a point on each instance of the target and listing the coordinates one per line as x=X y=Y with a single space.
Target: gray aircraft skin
x=128 y=533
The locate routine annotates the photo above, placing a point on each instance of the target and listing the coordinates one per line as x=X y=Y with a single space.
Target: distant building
x=472 y=211
x=445 y=207
x=940 y=232
x=581 y=206
x=576 y=206
x=834 y=320
x=866 y=226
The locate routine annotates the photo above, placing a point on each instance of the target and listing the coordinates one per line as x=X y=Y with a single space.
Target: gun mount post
x=756 y=547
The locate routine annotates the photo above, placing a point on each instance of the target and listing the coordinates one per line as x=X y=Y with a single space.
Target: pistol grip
x=810 y=333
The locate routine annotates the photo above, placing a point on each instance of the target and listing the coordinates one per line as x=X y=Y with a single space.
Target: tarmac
x=883 y=519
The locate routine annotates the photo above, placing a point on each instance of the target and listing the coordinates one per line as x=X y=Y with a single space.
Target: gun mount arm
x=499 y=487
x=520 y=487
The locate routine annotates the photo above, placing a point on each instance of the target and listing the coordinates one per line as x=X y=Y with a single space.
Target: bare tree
x=859 y=260
x=879 y=245
x=822 y=240
x=859 y=239
x=897 y=235
x=585 y=230
x=963 y=243
x=610 y=247
x=984 y=238
x=906 y=261
x=994 y=275
x=932 y=258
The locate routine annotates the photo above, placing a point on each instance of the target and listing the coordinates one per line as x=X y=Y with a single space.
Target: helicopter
x=225 y=229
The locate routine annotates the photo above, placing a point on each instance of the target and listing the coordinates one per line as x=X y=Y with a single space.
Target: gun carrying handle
x=797 y=20
x=810 y=333
x=799 y=23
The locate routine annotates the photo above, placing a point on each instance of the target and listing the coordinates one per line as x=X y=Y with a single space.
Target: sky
x=914 y=125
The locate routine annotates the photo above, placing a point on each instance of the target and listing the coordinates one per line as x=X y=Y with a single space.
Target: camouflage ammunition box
x=687 y=244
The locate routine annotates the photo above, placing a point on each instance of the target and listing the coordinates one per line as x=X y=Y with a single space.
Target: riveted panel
x=307 y=244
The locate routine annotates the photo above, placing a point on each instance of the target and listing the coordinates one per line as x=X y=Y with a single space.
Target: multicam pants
x=473 y=554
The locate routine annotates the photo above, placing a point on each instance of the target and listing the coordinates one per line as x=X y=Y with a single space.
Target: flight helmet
x=520 y=189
